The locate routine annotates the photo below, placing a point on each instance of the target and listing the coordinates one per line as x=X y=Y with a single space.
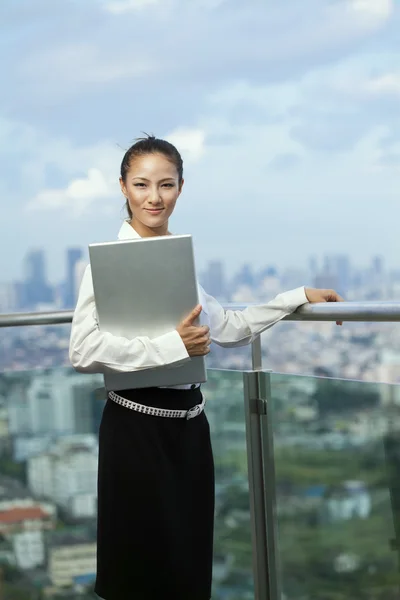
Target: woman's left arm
x=229 y=328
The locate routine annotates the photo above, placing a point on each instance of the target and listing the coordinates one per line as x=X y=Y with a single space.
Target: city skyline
x=73 y=255
x=35 y=290
x=57 y=276
x=291 y=142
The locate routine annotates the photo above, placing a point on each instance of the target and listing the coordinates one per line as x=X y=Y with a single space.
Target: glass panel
x=49 y=422
x=337 y=458
x=48 y=482
x=233 y=575
x=34 y=347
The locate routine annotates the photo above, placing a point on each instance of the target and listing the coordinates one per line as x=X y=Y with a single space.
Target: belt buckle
x=193 y=412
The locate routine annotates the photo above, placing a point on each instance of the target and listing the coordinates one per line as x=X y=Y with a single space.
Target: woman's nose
x=154 y=196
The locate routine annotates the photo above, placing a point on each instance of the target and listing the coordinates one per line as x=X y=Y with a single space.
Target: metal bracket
x=258 y=406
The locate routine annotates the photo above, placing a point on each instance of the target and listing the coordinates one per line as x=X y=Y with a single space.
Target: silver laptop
x=144 y=287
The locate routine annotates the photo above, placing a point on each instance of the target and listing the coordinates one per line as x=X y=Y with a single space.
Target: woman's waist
x=156 y=397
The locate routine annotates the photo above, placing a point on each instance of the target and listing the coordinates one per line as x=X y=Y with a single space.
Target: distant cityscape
x=363 y=351
x=328 y=439
x=35 y=293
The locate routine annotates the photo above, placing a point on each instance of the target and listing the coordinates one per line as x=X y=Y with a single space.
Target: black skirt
x=155 y=500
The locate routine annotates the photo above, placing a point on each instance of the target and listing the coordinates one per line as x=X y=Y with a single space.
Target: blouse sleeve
x=230 y=328
x=94 y=351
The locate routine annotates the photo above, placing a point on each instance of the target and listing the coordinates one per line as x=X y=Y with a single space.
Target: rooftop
x=18 y=515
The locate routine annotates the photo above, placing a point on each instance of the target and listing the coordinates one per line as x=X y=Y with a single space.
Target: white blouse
x=95 y=351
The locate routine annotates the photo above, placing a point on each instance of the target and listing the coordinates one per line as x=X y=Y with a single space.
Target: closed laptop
x=145 y=287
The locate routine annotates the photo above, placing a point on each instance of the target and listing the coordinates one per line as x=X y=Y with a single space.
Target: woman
x=156 y=474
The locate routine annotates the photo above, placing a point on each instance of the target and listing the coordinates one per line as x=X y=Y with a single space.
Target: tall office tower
x=378 y=283
x=313 y=266
x=336 y=271
x=267 y=272
x=244 y=277
x=74 y=256
x=8 y=297
x=36 y=288
x=343 y=269
x=35 y=268
x=378 y=267
x=214 y=279
x=326 y=281
x=56 y=402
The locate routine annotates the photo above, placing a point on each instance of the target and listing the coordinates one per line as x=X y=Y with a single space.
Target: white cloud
x=124 y=6
x=351 y=84
x=359 y=85
x=158 y=43
x=44 y=172
x=190 y=142
x=243 y=197
x=78 y=197
x=75 y=66
x=211 y=4
x=119 y=7
x=387 y=85
x=375 y=11
x=345 y=22
x=159 y=70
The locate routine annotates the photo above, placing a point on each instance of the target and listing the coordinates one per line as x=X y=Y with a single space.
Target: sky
x=287 y=115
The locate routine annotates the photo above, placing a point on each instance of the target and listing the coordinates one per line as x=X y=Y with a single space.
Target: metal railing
x=343 y=311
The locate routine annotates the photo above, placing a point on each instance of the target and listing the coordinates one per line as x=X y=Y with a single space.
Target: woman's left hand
x=314 y=296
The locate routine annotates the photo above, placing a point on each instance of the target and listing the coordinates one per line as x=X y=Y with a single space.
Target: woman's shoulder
x=86 y=283
x=86 y=272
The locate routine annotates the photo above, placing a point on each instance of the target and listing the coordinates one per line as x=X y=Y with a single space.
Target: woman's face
x=152 y=188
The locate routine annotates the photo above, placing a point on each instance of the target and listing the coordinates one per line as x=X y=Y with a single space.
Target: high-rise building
x=83 y=398
x=74 y=257
x=378 y=266
x=313 y=266
x=335 y=273
x=214 y=280
x=326 y=281
x=53 y=403
x=67 y=474
x=35 y=268
x=8 y=297
x=35 y=290
x=244 y=277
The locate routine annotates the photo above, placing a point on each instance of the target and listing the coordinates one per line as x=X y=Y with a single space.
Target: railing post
x=256 y=354
x=261 y=473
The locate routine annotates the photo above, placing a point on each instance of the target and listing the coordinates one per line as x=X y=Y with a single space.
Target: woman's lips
x=154 y=211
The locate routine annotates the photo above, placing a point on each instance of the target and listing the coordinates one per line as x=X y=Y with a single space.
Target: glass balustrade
x=337 y=468
x=49 y=422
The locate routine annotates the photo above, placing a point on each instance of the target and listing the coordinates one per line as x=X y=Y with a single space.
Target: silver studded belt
x=195 y=411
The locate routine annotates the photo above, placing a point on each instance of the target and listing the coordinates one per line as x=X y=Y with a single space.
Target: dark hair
x=150 y=145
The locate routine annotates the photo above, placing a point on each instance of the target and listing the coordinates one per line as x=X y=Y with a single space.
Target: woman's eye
x=139 y=184
x=168 y=185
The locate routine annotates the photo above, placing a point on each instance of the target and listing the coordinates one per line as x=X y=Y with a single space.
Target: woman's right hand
x=196 y=338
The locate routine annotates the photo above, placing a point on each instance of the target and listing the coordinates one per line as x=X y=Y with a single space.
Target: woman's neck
x=145 y=231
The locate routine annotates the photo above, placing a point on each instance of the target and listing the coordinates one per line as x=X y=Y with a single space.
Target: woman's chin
x=153 y=222
x=156 y=223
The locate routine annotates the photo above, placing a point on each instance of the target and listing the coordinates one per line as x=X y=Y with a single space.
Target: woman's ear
x=123 y=187
x=181 y=186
